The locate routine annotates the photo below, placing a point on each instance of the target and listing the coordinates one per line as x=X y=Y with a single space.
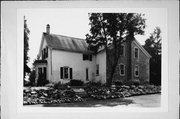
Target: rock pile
x=50 y=96
x=68 y=95
x=102 y=92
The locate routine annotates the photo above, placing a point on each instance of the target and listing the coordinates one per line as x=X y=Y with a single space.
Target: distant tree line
x=153 y=47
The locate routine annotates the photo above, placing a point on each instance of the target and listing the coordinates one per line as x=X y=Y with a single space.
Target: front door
x=87 y=75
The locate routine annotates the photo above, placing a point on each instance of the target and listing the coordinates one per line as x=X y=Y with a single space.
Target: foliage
x=153 y=47
x=32 y=75
x=76 y=82
x=56 y=96
x=59 y=85
x=41 y=80
x=103 y=92
x=118 y=83
x=109 y=30
x=90 y=84
x=32 y=78
x=133 y=82
x=26 y=48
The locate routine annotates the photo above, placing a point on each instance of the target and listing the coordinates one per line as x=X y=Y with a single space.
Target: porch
x=41 y=71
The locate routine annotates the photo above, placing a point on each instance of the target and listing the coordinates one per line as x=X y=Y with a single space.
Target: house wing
x=142 y=49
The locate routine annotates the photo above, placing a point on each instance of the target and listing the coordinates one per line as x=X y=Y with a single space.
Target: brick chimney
x=48 y=29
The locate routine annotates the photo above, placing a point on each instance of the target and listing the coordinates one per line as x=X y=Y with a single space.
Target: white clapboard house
x=63 y=58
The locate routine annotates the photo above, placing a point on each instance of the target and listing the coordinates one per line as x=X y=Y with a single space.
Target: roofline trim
x=69 y=50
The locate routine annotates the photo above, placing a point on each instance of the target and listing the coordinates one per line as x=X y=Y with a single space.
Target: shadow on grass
x=93 y=103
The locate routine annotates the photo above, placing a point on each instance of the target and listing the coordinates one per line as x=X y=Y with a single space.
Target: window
x=136 y=52
x=42 y=54
x=45 y=53
x=97 y=70
x=87 y=57
x=122 y=69
x=136 y=71
x=66 y=73
x=122 y=50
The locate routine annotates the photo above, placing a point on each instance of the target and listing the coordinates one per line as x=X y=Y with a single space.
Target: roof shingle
x=61 y=42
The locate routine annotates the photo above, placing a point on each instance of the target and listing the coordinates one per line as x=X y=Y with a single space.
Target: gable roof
x=66 y=43
x=142 y=49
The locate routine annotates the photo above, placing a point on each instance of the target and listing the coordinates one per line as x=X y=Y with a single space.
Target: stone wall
x=142 y=62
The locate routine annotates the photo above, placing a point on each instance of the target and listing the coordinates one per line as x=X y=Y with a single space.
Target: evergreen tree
x=153 y=47
x=26 y=47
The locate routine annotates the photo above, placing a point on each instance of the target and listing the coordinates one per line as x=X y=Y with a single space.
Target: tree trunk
x=130 y=38
x=112 y=62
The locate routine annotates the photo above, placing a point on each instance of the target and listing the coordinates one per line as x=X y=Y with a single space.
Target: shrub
x=76 y=83
x=42 y=81
x=145 y=83
x=134 y=82
x=32 y=78
x=118 y=83
x=49 y=85
x=59 y=85
x=94 y=83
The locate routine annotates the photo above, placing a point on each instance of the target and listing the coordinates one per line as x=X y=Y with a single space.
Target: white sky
x=74 y=23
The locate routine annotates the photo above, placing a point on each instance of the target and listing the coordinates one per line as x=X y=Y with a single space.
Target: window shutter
x=71 y=73
x=83 y=57
x=90 y=57
x=47 y=51
x=61 y=72
x=42 y=54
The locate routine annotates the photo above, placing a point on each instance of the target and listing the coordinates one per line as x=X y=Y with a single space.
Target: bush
x=93 y=84
x=76 y=83
x=134 y=82
x=32 y=78
x=59 y=85
x=42 y=81
x=49 y=85
x=118 y=83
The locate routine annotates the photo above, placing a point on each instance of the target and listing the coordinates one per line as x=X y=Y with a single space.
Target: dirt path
x=153 y=100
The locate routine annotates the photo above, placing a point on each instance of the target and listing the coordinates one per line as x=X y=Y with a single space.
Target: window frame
x=97 y=69
x=124 y=68
x=87 y=57
x=122 y=45
x=44 y=53
x=135 y=52
x=65 y=73
x=136 y=66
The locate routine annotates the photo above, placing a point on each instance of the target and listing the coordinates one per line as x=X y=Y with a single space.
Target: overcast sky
x=74 y=23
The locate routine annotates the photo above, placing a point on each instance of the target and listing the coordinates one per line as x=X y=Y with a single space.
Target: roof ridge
x=67 y=36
